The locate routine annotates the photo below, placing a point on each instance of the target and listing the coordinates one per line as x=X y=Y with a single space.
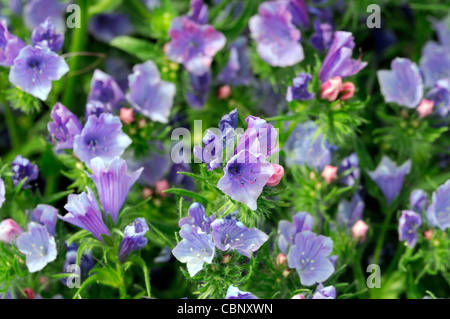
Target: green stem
x=382 y=236
x=141 y=9
x=12 y=128
x=78 y=44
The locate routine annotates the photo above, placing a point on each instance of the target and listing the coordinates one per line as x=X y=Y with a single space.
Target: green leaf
x=183 y=192
x=103 y=6
x=141 y=49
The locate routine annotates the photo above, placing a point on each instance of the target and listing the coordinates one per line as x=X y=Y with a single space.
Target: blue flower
x=105 y=90
x=403 y=84
x=211 y=154
x=2 y=192
x=113 y=183
x=260 y=137
x=408 y=224
x=64 y=127
x=45 y=35
x=45 y=215
x=440 y=95
x=309 y=256
x=322 y=38
x=322 y=292
x=438 y=213
x=348 y=213
x=83 y=212
x=389 y=177
x=286 y=231
x=234 y=293
x=10 y=45
x=106 y=26
x=101 y=136
x=198 y=94
x=232 y=235
x=299 y=90
x=349 y=167
x=198 y=12
x=195 y=249
x=442 y=28
x=133 y=238
x=237 y=71
x=22 y=168
x=149 y=95
x=434 y=63
x=36 y=12
x=86 y=263
x=34 y=70
x=94 y=107
x=197 y=218
x=38 y=246
x=418 y=200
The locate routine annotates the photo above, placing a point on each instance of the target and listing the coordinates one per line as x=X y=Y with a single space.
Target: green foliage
x=22 y=101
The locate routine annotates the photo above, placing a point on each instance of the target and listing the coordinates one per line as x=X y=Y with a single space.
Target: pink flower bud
x=224 y=92
x=278 y=173
x=161 y=186
x=329 y=173
x=286 y=273
x=226 y=258
x=429 y=234
x=126 y=115
x=425 y=108
x=29 y=293
x=331 y=88
x=348 y=90
x=298 y=296
x=281 y=260
x=9 y=229
x=146 y=193
x=359 y=230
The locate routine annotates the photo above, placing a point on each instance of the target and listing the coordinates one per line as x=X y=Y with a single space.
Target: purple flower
x=299 y=90
x=177 y=179
x=38 y=246
x=149 y=95
x=36 y=12
x=34 y=70
x=113 y=184
x=2 y=192
x=86 y=263
x=278 y=40
x=322 y=38
x=434 y=63
x=45 y=215
x=94 y=107
x=260 y=137
x=403 y=84
x=348 y=213
x=195 y=249
x=105 y=90
x=304 y=146
x=133 y=238
x=101 y=136
x=438 y=213
x=155 y=166
x=64 y=127
x=245 y=176
x=198 y=12
x=10 y=45
x=234 y=293
x=389 y=177
x=45 y=35
x=83 y=212
x=232 y=235
x=440 y=95
x=418 y=200
x=197 y=218
x=22 y=168
x=237 y=71
x=299 y=12
x=408 y=224
x=228 y=121
x=106 y=26
x=322 y=292
x=309 y=256
x=198 y=94
x=350 y=168
x=338 y=61
x=211 y=154
x=193 y=44
x=287 y=231
x=442 y=29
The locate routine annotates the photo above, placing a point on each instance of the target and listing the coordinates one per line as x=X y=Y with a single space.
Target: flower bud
x=298 y=296
x=126 y=115
x=329 y=173
x=348 y=90
x=429 y=234
x=147 y=192
x=425 y=108
x=331 y=88
x=224 y=92
x=9 y=229
x=281 y=260
x=278 y=173
x=161 y=186
x=359 y=230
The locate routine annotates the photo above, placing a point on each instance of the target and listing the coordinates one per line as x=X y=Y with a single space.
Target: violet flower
x=198 y=12
x=36 y=12
x=149 y=95
x=408 y=224
x=278 y=40
x=45 y=35
x=259 y=137
x=22 y=168
x=299 y=89
x=338 y=61
x=418 y=200
x=237 y=71
x=194 y=45
x=286 y=231
x=440 y=95
x=322 y=38
x=403 y=84
x=94 y=107
x=38 y=246
x=199 y=89
x=234 y=293
x=86 y=263
x=309 y=256
x=299 y=12
x=349 y=167
x=133 y=238
x=442 y=28
x=348 y=213
x=232 y=235
x=64 y=127
x=197 y=218
x=245 y=176
x=434 y=63
x=45 y=215
x=10 y=45
x=211 y=154
x=389 y=177
x=322 y=292
x=34 y=70
x=106 y=90
x=438 y=213
x=113 y=184
x=195 y=249
x=106 y=26
x=83 y=212
x=2 y=192
x=101 y=136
